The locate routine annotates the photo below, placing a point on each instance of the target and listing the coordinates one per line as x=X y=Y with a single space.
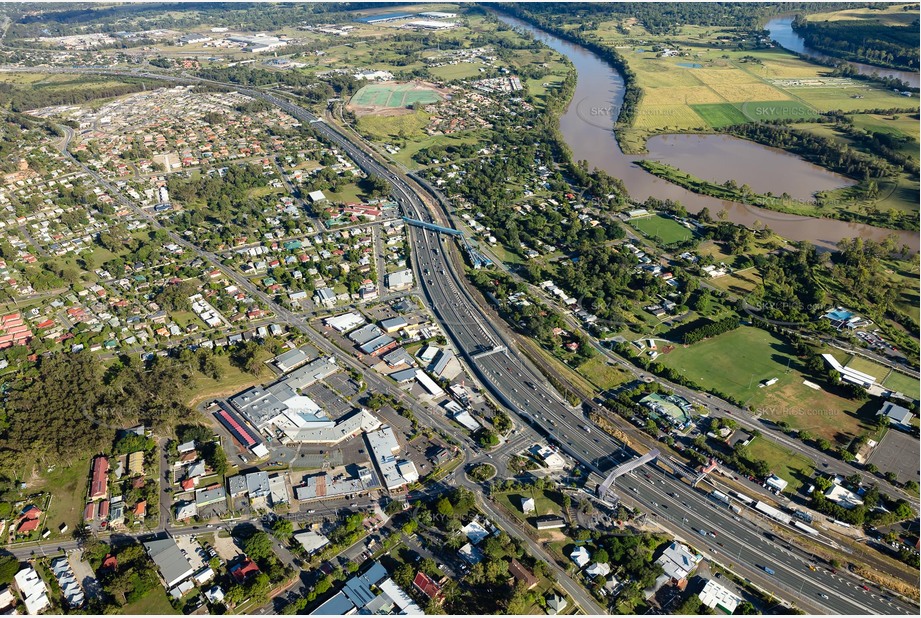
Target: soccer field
x=394 y=95
x=668 y=231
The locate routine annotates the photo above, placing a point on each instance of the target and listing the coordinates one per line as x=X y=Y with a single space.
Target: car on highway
x=823 y=595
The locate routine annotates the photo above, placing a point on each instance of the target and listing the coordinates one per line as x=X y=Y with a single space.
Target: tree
x=282 y=529
x=9 y=566
x=258 y=546
x=601 y=556
x=444 y=507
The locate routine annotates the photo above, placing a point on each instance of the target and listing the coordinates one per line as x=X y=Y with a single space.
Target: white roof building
x=400 y=280
x=33 y=591
x=580 y=556
x=345 y=322
x=528 y=506
x=716 y=596
x=311 y=541
x=677 y=561
x=775 y=482
x=598 y=568
x=843 y=497
x=475 y=532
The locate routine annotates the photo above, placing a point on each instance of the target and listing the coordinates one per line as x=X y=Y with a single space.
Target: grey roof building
x=173 y=566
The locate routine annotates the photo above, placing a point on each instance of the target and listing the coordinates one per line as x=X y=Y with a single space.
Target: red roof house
x=99 y=486
x=243 y=570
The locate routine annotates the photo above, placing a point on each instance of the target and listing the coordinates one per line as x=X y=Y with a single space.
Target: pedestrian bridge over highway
x=432 y=227
x=623 y=469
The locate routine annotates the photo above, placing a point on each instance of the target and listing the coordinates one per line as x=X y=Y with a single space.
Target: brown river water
x=586 y=127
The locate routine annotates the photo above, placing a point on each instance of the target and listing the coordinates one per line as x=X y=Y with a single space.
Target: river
x=781 y=31
x=586 y=126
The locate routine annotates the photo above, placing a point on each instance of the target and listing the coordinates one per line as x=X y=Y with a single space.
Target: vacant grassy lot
x=791 y=467
x=737 y=362
x=232 y=381
x=663 y=229
x=601 y=374
x=390 y=127
x=740 y=283
x=68 y=489
x=153 y=603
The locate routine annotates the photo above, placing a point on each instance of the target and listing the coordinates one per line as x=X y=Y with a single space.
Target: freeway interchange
x=740 y=544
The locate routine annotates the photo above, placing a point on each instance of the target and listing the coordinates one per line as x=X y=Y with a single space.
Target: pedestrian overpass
x=623 y=469
x=432 y=227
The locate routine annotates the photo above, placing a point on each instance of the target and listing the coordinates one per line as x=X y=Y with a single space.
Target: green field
x=791 y=467
x=729 y=82
x=462 y=70
x=603 y=375
x=735 y=363
x=390 y=127
x=662 y=229
x=719 y=115
x=68 y=489
x=904 y=384
x=393 y=94
x=153 y=603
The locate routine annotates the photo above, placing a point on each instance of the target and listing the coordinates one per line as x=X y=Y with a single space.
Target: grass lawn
x=232 y=380
x=601 y=374
x=737 y=362
x=791 y=467
x=68 y=490
x=741 y=282
x=904 y=384
x=545 y=503
x=390 y=127
x=350 y=192
x=876 y=370
x=663 y=229
x=719 y=115
x=463 y=70
x=154 y=602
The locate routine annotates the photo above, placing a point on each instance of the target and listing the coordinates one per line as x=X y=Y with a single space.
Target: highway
x=522 y=389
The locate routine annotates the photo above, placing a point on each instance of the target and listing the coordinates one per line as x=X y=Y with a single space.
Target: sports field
x=737 y=362
x=394 y=94
x=667 y=231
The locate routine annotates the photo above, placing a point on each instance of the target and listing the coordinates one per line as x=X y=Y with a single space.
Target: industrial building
x=384 y=448
x=174 y=567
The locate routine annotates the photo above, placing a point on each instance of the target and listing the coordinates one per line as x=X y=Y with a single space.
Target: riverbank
x=768 y=202
x=587 y=126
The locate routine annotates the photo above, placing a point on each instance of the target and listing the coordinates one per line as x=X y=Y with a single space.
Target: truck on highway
x=768 y=570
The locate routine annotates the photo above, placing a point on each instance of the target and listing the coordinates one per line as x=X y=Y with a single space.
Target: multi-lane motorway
x=523 y=389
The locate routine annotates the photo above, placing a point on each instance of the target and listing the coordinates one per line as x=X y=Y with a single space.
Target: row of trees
x=711 y=330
